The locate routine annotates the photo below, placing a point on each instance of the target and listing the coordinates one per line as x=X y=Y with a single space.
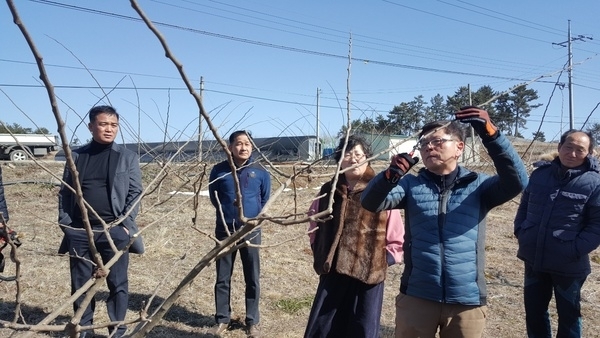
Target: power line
x=283 y=47
x=180 y=89
x=357 y=37
x=91 y=69
x=275 y=46
x=512 y=63
x=466 y=22
x=532 y=25
x=344 y=57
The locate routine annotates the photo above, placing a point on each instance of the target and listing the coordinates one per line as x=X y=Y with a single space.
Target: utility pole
x=570 y=49
x=200 y=121
x=570 y=57
x=472 y=156
x=318 y=144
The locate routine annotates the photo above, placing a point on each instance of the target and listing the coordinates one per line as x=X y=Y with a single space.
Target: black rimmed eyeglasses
x=436 y=142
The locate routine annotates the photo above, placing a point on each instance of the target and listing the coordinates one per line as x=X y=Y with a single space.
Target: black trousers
x=345 y=307
x=251 y=267
x=82 y=270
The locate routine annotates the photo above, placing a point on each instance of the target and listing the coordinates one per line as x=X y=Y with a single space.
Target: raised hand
x=479 y=119
x=399 y=165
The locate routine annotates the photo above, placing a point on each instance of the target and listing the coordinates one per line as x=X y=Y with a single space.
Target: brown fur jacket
x=353 y=241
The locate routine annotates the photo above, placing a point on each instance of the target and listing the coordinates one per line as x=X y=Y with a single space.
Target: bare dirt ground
x=173 y=247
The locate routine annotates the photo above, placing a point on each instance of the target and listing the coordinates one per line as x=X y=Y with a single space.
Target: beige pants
x=421 y=318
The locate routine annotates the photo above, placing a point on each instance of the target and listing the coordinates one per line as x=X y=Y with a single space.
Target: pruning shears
x=415 y=147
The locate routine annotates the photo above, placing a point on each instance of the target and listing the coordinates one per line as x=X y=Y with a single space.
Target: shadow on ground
x=193 y=324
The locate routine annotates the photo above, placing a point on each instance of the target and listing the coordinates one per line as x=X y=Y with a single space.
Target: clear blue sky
x=262 y=60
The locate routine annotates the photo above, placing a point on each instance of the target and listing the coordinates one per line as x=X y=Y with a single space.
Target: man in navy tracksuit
x=255 y=187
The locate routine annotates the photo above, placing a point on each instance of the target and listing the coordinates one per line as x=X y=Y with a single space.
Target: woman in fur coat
x=351 y=251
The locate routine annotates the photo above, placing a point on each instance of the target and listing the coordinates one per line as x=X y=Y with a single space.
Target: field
x=174 y=245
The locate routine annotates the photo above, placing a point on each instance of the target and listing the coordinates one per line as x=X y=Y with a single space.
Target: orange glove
x=479 y=120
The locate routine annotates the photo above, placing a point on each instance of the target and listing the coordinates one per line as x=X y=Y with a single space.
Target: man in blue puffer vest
x=442 y=288
x=557 y=226
x=255 y=188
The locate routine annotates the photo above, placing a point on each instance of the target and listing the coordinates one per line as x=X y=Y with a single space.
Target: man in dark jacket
x=4 y=211
x=557 y=226
x=442 y=288
x=3 y=207
x=255 y=188
x=111 y=182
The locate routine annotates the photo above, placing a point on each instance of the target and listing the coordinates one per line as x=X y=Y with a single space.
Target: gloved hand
x=479 y=119
x=399 y=165
x=14 y=237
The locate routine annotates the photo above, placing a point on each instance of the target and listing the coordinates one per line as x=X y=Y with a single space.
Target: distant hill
x=531 y=151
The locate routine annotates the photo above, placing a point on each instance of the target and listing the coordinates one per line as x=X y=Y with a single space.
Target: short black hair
x=97 y=110
x=566 y=134
x=353 y=141
x=237 y=133
x=453 y=128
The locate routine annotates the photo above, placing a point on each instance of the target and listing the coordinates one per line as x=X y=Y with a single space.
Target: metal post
x=200 y=121
x=472 y=157
x=571 y=117
x=318 y=143
x=570 y=70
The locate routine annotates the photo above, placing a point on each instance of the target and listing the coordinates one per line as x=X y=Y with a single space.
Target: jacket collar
x=248 y=162
x=590 y=164
x=362 y=182
x=461 y=174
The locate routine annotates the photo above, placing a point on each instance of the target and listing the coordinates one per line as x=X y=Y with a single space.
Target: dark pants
x=537 y=295
x=345 y=307
x=251 y=266
x=82 y=270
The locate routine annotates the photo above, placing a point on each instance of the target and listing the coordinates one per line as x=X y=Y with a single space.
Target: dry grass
x=173 y=248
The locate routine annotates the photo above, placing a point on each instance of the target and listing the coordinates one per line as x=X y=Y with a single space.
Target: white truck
x=19 y=147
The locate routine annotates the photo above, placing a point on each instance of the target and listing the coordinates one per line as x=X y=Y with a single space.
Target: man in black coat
x=111 y=182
